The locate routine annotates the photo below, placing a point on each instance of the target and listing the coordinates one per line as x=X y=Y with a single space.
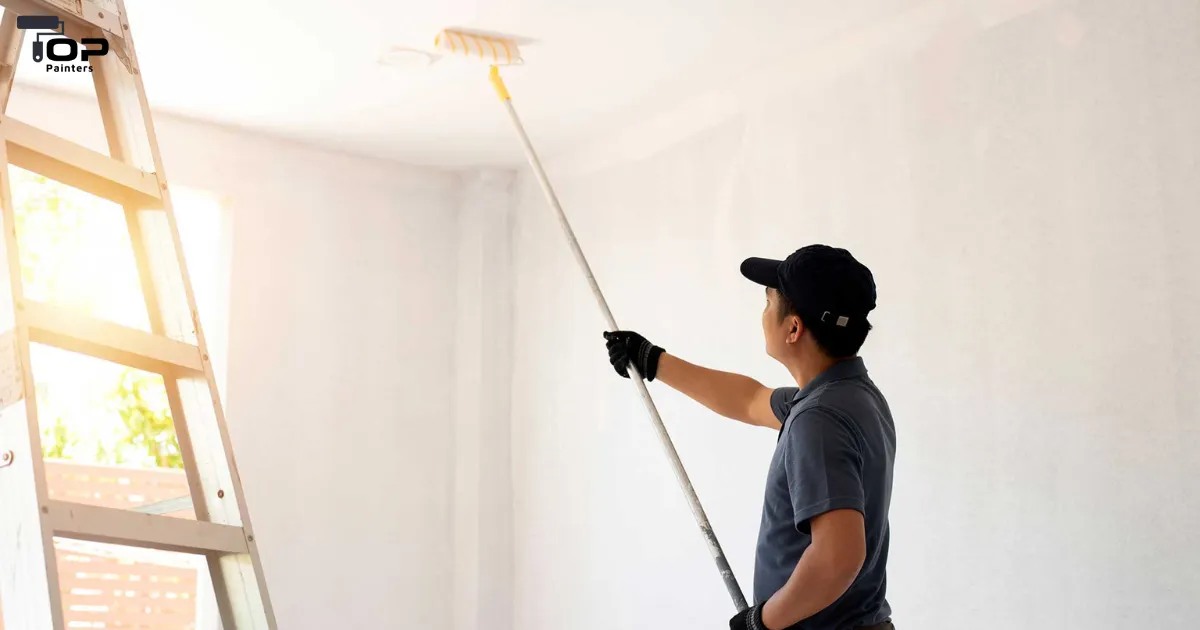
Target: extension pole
x=714 y=547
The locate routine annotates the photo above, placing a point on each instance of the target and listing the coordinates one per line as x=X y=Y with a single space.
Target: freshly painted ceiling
x=309 y=70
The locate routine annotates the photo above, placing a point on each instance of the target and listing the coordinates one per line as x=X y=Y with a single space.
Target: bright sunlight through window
x=76 y=253
x=108 y=437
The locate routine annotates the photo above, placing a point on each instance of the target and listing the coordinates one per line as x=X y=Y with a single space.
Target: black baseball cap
x=826 y=284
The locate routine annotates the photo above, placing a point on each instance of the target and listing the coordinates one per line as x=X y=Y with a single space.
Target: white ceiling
x=309 y=70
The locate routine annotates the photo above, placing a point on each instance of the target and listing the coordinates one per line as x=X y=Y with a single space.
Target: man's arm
x=823 y=462
x=731 y=395
x=827 y=568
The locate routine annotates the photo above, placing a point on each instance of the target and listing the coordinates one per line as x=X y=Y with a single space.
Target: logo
x=60 y=50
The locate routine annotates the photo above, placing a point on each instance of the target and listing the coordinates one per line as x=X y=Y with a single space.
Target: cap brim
x=764 y=271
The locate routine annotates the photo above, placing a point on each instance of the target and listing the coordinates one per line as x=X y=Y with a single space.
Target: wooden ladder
x=131 y=175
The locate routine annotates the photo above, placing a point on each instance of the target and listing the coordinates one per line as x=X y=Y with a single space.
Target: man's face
x=779 y=332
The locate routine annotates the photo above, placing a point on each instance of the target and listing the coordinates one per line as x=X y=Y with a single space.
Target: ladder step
x=75 y=165
x=166 y=506
x=148 y=531
x=59 y=327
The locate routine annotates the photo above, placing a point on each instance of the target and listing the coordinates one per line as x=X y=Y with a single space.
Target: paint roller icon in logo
x=52 y=23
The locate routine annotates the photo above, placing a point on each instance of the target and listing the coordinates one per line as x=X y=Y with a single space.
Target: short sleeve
x=781 y=401
x=823 y=465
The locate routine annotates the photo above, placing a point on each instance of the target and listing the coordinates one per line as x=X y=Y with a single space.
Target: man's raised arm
x=731 y=395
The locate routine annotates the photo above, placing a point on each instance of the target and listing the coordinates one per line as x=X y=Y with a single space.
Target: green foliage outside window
x=121 y=415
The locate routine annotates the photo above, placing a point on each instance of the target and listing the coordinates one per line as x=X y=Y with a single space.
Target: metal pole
x=714 y=547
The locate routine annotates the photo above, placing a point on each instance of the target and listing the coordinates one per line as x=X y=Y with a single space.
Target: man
x=823 y=541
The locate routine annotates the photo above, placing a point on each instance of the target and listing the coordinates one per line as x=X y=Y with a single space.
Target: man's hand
x=625 y=347
x=749 y=619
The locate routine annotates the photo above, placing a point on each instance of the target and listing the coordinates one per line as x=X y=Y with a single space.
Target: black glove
x=626 y=347
x=749 y=619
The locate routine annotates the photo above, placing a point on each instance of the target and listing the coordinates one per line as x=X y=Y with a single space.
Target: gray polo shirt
x=835 y=451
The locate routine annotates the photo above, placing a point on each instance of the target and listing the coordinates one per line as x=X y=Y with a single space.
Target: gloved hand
x=625 y=347
x=749 y=619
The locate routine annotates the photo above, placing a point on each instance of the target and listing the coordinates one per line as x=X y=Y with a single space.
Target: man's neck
x=808 y=367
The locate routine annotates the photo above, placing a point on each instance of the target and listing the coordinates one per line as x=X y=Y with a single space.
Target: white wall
x=1024 y=180
x=340 y=367
x=483 y=519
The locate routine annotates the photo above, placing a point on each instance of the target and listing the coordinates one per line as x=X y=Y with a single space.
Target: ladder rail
x=29 y=584
x=219 y=495
x=11 y=40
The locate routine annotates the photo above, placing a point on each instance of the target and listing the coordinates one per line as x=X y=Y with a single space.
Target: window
x=107 y=434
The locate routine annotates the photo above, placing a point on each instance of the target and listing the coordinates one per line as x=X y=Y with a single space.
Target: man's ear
x=797 y=329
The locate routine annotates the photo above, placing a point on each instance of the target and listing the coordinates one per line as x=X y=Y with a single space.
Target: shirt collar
x=847 y=368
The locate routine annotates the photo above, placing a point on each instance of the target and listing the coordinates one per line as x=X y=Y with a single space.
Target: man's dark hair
x=836 y=343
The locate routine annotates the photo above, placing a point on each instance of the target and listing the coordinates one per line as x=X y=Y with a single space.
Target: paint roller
x=498 y=50
x=39 y=23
